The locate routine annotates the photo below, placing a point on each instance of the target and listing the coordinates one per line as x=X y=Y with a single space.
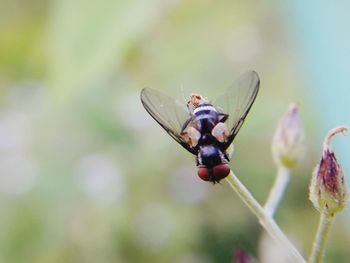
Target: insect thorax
x=210 y=155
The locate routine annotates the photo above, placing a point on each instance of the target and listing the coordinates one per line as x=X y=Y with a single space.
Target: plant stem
x=319 y=245
x=278 y=189
x=265 y=220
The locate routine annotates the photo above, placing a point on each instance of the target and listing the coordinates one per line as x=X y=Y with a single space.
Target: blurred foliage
x=87 y=176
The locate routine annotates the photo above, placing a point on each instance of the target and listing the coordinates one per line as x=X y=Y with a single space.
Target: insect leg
x=223 y=116
x=184 y=126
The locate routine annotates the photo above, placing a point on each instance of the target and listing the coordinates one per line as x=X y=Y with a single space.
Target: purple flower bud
x=328 y=190
x=242 y=257
x=288 y=146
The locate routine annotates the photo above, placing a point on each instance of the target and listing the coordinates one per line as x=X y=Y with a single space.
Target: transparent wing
x=237 y=101
x=168 y=112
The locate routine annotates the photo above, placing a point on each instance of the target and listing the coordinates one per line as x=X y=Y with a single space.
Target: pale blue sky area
x=322 y=30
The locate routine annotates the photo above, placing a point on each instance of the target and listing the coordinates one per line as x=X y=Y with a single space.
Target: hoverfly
x=205 y=129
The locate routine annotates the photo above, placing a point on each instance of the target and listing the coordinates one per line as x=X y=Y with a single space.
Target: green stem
x=319 y=245
x=278 y=189
x=265 y=220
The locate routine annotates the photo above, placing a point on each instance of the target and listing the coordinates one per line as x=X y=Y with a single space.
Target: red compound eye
x=218 y=172
x=203 y=173
x=221 y=171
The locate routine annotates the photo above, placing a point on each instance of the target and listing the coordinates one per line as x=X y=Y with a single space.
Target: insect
x=205 y=129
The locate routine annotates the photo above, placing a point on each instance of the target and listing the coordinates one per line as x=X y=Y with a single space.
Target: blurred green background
x=87 y=176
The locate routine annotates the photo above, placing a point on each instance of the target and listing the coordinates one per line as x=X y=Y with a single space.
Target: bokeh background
x=87 y=176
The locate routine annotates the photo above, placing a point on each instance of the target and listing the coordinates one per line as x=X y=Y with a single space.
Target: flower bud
x=328 y=190
x=242 y=257
x=288 y=146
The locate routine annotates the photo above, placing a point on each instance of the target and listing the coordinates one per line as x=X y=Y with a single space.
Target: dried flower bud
x=288 y=146
x=328 y=190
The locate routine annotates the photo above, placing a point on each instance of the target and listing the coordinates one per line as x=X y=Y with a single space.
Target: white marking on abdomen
x=203 y=108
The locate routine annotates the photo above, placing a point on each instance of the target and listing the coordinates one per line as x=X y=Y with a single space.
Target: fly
x=206 y=129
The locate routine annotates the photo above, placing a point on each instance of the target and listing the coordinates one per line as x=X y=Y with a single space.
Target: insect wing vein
x=168 y=112
x=237 y=101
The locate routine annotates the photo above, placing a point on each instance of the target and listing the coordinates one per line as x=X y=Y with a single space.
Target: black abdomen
x=206 y=117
